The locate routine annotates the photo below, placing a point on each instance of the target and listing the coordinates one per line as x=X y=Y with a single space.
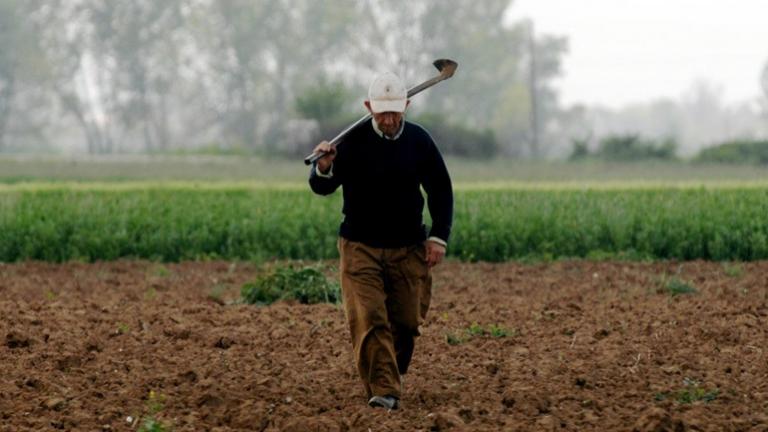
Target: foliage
x=180 y=73
x=494 y=58
x=308 y=285
x=733 y=270
x=154 y=405
x=172 y=223
x=323 y=102
x=579 y=149
x=476 y=330
x=753 y=152
x=456 y=338
x=455 y=139
x=690 y=393
x=151 y=424
x=632 y=147
x=675 y=287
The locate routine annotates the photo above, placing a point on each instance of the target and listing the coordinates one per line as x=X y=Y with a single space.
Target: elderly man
x=385 y=252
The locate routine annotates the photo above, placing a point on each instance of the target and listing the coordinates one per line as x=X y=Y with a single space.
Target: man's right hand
x=324 y=163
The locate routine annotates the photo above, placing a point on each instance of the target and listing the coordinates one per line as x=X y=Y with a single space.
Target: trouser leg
x=364 y=296
x=409 y=288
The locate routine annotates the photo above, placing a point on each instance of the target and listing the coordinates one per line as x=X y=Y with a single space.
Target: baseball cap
x=387 y=93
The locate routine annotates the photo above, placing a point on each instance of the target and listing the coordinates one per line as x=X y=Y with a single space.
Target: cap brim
x=380 y=106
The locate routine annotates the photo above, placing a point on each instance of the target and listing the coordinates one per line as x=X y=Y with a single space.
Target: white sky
x=625 y=51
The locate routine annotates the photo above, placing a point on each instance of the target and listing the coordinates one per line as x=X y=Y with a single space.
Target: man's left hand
x=435 y=253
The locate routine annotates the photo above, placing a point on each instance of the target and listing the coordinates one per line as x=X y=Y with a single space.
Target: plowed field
x=583 y=346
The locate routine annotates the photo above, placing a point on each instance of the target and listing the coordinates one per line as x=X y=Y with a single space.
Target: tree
x=258 y=52
x=17 y=47
x=764 y=80
x=62 y=30
x=493 y=67
x=136 y=45
x=232 y=71
x=9 y=34
x=764 y=85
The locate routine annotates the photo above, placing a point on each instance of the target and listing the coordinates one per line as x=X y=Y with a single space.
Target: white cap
x=387 y=93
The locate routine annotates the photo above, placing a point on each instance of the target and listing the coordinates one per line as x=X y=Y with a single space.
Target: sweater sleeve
x=437 y=185
x=323 y=184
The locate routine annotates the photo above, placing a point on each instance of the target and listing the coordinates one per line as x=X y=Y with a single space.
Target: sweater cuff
x=319 y=174
x=438 y=241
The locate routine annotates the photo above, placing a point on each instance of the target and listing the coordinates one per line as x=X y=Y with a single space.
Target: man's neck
x=385 y=136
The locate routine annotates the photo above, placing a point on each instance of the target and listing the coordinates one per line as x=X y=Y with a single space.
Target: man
x=385 y=252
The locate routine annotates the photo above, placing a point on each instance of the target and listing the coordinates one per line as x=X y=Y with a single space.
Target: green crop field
x=494 y=221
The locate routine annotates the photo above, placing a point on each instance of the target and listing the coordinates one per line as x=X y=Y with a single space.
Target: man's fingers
x=433 y=258
x=434 y=254
x=330 y=153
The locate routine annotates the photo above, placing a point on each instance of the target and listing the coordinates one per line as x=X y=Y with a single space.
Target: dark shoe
x=388 y=402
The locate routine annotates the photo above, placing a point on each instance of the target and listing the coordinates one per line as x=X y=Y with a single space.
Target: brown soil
x=591 y=346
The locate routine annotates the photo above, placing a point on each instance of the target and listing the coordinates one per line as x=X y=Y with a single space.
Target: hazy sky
x=624 y=51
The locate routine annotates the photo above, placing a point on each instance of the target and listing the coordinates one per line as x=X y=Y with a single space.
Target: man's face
x=388 y=121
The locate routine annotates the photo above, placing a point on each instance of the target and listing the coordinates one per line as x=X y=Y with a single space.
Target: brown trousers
x=386 y=294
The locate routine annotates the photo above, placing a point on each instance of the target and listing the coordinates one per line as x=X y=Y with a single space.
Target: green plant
x=308 y=285
x=458 y=139
x=676 y=287
x=745 y=151
x=123 y=328
x=476 y=330
x=217 y=292
x=151 y=424
x=579 y=149
x=733 y=270
x=174 y=223
x=456 y=338
x=154 y=405
x=498 y=331
x=632 y=147
x=150 y=293
x=690 y=393
x=159 y=270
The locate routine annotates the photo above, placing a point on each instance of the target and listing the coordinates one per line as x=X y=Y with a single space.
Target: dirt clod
x=15 y=339
x=55 y=404
x=446 y=421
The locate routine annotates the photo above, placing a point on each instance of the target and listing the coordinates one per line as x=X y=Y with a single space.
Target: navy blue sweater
x=381 y=180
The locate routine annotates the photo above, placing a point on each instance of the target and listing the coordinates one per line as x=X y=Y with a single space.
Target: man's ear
x=367 y=104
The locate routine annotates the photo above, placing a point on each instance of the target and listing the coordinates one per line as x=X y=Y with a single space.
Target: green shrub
x=459 y=140
x=632 y=147
x=736 y=152
x=675 y=287
x=579 y=149
x=307 y=285
x=690 y=393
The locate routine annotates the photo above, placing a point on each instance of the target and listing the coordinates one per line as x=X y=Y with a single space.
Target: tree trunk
x=93 y=135
x=160 y=123
x=6 y=101
x=275 y=134
x=533 y=87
